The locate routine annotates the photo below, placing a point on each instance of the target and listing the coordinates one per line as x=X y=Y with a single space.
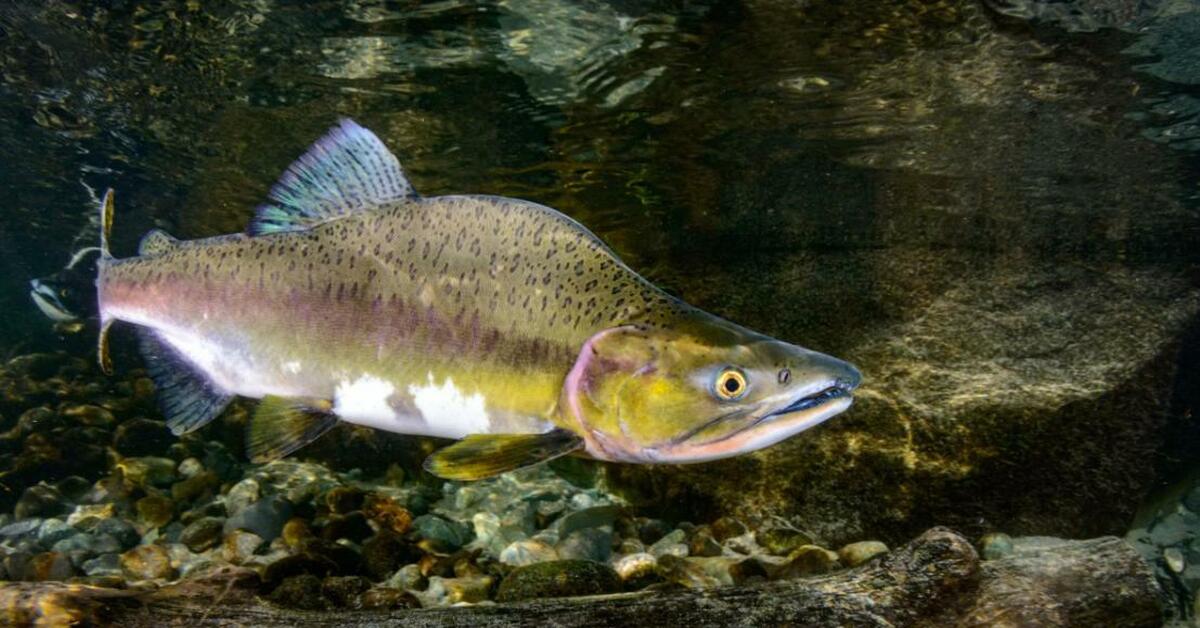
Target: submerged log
x=936 y=580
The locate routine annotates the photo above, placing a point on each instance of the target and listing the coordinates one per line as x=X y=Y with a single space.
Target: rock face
x=1019 y=339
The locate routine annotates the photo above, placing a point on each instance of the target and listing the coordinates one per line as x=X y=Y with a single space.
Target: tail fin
x=106 y=220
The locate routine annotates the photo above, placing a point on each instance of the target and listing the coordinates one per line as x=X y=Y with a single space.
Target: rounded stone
x=352 y=526
x=560 y=578
x=858 y=553
x=52 y=531
x=142 y=437
x=264 y=517
x=381 y=598
x=155 y=510
x=343 y=499
x=203 y=533
x=443 y=534
x=995 y=545
x=344 y=590
x=147 y=471
x=588 y=544
x=189 y=467
x=89 y=415
x=384 y=553
x=40 y=500
x=103 y=565
x=296 y=533
x=302 y=592
x=782 y=541
x=202 y=484
x=240 y=545
x=635 y=566
x=527 y=552
x=1174 y=559
x=147 y=562
x=50 y=566
x=408 y=577
x=809 y=560
x=387 y=513
x=119 y=529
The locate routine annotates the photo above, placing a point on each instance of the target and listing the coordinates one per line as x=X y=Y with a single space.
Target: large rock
x=1018 y=312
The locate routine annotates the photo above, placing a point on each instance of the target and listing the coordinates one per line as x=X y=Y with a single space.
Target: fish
x=500 y=323
x=65 y=297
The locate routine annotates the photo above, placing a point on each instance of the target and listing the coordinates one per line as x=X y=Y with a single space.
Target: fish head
x=663 y=395
x=69 y=294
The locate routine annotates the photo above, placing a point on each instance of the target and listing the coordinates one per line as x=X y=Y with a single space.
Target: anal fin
x=187 y=399
x=481 y=456
x=282 y=425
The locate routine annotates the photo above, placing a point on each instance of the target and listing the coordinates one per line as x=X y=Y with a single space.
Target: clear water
x=826 y=172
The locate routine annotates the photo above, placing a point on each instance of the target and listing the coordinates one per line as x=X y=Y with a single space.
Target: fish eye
x=730 y=384
x=785 y=376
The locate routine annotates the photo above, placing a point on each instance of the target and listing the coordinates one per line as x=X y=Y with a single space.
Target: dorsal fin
x=347 y=170
x=156 y=241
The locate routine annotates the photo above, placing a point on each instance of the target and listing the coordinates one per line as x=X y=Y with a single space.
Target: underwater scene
x=573 y=312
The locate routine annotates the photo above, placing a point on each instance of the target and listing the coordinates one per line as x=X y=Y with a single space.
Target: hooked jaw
x=822 y=399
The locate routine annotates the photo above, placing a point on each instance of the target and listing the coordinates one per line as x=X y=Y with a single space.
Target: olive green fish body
x=453 y=316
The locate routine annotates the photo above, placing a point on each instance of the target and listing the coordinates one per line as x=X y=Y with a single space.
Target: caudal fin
x=106 y=220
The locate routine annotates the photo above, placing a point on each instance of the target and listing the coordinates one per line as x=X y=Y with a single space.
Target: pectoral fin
x=481 y=456
x=281 y=425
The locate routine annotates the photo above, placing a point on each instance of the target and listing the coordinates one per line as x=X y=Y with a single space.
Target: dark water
x=840 y=174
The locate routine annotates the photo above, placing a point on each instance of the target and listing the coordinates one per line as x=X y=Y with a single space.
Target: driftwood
x=936 y=580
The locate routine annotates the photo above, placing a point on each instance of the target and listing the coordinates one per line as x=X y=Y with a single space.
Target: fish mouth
x=47 y=301
x=840 y=389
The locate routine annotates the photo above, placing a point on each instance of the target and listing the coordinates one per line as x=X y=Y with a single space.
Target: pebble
x=142 y=437
x=147 y=471
x=383 y=553
x=89 y=415
x=155 y=510
x=809 y=560
x=85 y=516
x=594 y=517
x=147 y=562
x=27 y=529
x=1174 y=559
x=636 y=566
x=264 y=517
x=103 y=565
x=52 y=531
x=782 y=541
x=995 y=545
x=302 y=591
x=352 y=526
x=858 y=553
x=408 y=577
x=344 y=591
x=527 y=552
x=343 y=499
x=200 y=485
x=202 y=534
x=296 y=533
x=119 y=529
x=241 y=495
x=587 y=544
x=559 y=578
x=383 y=598
x=240 y=545
x=40 y=500
x=445 y=535
x=449 y=591
x=672 y=544
x=190 y=467
x=50 y=566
